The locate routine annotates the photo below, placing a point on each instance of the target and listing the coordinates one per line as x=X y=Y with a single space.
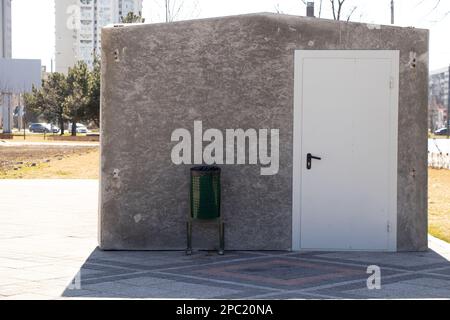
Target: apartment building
x=438 y=99
x=78 y=27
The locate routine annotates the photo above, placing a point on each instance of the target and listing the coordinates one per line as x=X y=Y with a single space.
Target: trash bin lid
x=205 y=170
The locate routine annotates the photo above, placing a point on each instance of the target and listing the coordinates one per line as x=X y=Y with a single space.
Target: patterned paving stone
x=163 y=260
x=390 y=286
x=403 y=291
x=429 y=282
x=278 y=272
x=44 y=249
x=159 y=289
x=443 y=271
x=293 y=295
x=404 y=261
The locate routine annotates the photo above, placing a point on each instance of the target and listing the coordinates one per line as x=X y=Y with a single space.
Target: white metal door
x=346 y=113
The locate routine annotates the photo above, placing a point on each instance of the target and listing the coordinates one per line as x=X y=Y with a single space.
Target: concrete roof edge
x=278 y=16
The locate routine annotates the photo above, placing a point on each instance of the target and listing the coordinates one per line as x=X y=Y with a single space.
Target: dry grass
x=39 y=138
x=31 y=138
x=434 y=136
x=439 y=203
x=76 y=166
x=49 y=162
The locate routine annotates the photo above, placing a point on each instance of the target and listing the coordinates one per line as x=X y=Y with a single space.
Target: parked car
x=43 y=128
x=54 y=129
x=81 y=128
x=39 y=128
x=441 y=132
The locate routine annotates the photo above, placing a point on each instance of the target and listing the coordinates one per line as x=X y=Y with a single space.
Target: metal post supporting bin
x=205 y=202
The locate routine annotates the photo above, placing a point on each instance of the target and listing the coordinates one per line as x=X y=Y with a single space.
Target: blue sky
x=34 y=29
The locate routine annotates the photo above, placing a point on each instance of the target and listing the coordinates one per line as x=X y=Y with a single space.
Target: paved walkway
x=48 y=237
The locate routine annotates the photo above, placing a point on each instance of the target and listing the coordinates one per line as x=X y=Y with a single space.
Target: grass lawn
x=75 y=166
x=439 y=203
x=433 y=136
x=49 y=162
x=39 y=137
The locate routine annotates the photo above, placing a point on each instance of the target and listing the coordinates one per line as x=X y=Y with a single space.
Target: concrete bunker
x=352 y=94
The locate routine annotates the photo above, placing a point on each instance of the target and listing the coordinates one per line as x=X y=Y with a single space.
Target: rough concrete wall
x=232 y=72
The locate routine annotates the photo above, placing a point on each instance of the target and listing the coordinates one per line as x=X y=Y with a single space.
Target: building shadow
x=271 y=275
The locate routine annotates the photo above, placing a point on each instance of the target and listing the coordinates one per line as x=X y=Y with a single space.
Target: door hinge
x=388 y=227
x=391 y=83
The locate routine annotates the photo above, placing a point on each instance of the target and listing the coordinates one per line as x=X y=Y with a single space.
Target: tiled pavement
x=48 y=237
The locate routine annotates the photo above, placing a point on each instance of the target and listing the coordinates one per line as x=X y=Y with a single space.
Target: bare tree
x=435 y=6
x=439 y=16
x=174 y=8
x=336 y=8
x=419 y=3
x=131 y=17
x=277 y=9
x=351 y=13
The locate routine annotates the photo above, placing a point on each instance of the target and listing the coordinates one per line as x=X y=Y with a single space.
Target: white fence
x=439 y=160
x=439 y=153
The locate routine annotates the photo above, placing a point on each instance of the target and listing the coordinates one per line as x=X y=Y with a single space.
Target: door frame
x=298 y=161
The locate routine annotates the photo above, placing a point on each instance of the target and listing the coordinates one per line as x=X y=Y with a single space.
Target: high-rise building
x=5 y=29
x=438 y=98
x=5 y=52
x=78 y=27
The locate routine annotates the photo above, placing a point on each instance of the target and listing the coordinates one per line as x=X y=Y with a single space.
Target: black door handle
x=309 y=158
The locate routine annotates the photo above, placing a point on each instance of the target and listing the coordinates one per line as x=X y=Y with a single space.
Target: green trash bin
x=205 y=202
x=205 y=193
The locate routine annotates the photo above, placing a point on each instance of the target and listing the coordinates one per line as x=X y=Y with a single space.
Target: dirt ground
x=49 y=162
x=35 y=137
x=439 y=203
x=31 y=138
